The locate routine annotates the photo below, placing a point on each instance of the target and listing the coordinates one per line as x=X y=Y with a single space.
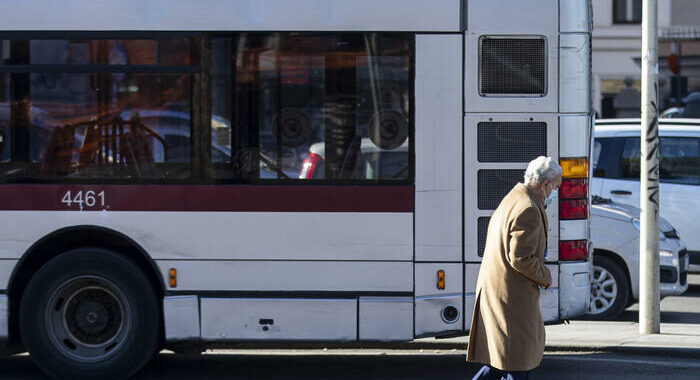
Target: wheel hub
x=87 y=319
x=603 y=290
x=93 y=316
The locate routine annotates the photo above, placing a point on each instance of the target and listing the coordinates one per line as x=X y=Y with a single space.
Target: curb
x=693 y=352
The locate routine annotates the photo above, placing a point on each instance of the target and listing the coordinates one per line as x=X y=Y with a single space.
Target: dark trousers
x=489 y=373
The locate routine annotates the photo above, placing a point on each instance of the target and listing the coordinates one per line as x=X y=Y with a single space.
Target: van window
x=606 y=153
x=680 y=160
x=630 y=159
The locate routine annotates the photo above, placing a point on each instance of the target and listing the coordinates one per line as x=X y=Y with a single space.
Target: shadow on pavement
x=666 y=317
x=311 y=366
x=19 y=367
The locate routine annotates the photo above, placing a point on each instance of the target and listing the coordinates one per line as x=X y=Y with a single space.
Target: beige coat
x=507 y=331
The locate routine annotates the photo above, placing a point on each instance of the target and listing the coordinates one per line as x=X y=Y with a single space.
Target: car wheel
x=90 y=314
x=609 y=289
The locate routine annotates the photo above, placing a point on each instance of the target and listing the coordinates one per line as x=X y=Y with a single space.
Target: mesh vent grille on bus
x=512 y=66
x=511 y=141
x=494 y=184
x=482 y=229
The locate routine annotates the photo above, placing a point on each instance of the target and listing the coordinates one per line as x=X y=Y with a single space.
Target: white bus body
x=239 y=254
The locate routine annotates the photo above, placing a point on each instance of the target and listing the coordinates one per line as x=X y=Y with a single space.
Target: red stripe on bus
x=242 y=198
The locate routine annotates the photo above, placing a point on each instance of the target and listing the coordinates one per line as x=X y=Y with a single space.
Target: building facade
x=617 y=41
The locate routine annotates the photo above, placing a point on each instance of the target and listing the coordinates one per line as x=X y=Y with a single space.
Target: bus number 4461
x=88 y=198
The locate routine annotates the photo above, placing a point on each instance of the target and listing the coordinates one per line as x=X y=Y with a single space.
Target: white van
x=616 y=163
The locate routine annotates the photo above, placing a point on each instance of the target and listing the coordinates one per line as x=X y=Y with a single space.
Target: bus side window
x=329 y=107
x=100 y=124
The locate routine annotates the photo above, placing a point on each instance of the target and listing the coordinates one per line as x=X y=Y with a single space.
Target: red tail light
x=573 y=188
x=573 y=250
x=573 y=209
x=308 y=166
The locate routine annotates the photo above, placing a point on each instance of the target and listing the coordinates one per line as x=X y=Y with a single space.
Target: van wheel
x=609 y=289
x=90 y=314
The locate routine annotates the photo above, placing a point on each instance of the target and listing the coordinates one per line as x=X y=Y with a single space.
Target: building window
x=627 y=11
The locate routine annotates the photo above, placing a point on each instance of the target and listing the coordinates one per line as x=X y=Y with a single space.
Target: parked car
x=615 y=280
x=672 y=112
x=692 y=105
x=689 y=110
x=616 y=165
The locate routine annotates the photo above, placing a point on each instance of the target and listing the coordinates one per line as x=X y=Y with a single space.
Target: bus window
x=5 y=130
x=103 y=109
x=163 y=51
x=295 y=96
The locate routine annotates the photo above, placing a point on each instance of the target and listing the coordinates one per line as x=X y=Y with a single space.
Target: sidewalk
x=675 y=339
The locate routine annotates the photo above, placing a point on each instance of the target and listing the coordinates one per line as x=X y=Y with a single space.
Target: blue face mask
x=552 y=196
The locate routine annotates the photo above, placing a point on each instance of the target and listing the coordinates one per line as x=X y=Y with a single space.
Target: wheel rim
x=603 y=291
x=88 y=318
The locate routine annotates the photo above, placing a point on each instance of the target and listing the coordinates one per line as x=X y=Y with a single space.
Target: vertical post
x=649 y=314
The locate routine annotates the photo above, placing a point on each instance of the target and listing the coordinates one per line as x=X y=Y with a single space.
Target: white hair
x=540 y=169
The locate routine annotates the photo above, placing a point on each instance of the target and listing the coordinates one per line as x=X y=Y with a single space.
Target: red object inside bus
x=308 y=166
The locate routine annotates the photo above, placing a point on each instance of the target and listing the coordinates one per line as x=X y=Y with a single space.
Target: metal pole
x=649 y=314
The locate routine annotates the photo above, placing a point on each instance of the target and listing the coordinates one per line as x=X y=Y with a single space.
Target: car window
x=630 y=158
x=680 y=160
x=597 y=148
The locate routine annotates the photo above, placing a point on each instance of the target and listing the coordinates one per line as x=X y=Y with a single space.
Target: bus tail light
x=308 y=166
x=573 y=250
x=573 y=188
x=574 y=167
x=570 y=209
x=573 y=192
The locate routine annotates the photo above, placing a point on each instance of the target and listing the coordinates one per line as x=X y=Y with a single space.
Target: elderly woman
x=507 y=332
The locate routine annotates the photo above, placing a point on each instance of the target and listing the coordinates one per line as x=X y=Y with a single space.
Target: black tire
x=609 y=283
x=90 y=314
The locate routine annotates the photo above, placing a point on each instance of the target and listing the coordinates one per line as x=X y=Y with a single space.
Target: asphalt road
x=374 y=364
x=682 y=309
x=406 y=364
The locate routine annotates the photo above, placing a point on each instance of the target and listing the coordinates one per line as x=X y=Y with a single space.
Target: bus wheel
x=609 y=289
x=90 y=313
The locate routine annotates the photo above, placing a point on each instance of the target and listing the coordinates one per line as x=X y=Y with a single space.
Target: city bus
x=178 y=173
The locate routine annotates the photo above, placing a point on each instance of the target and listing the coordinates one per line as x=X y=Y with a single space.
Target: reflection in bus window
x=75 y=120
x=119 y=120
x=291 y=93
x=164 y=51
x=5 y=129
